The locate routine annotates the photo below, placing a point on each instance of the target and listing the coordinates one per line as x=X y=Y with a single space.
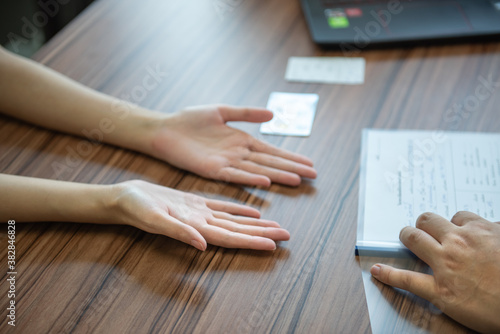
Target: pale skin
x=196 y=139
x=464 y=254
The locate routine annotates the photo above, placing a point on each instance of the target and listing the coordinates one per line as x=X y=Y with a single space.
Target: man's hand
x=464 y=255
x=198 y=140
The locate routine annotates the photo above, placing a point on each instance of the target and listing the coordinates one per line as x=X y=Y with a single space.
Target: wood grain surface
x=81 y=278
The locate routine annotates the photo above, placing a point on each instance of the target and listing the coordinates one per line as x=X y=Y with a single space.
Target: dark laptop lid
x=363 y=23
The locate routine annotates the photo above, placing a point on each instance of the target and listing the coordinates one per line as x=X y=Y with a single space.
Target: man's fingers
x=434 y=225
x=421 y=244
x=275 y=175
x=422 y=285
x=242 y=114
x=268 y=160
x=235 y=175
x=463 y=217
x=232 y=208
x=260 y=146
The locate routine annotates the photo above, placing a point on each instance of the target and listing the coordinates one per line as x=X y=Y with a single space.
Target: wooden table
x=111 y=279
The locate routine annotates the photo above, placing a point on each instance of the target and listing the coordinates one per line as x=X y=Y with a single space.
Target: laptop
x=356 y=24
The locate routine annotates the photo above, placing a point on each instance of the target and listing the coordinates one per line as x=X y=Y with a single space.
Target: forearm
x=26 y=199
x=39 y=95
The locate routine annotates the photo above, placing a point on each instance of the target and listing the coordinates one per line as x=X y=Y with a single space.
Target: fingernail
x=375 y=270
x=196 y=244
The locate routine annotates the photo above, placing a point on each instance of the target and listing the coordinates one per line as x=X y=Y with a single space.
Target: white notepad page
x=406 y=173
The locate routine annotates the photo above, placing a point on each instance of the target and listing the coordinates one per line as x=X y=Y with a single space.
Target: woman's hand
x=193 y=219
x=198 y=140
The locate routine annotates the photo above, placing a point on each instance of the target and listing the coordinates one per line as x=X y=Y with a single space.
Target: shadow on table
x=116 y=260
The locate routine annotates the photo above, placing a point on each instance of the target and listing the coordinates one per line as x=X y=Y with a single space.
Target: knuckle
x=405 y=281
x=459 y=215
x=424 y=218
x=478 y=225
x=450 y=262
x=458 y=242
x=445 y=293
x=397 y=278
x=411 y=236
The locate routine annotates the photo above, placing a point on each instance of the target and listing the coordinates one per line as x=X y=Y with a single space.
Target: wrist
x=91 y=203
x=136 y=129
x=82 y=203
x=101 y=206
x=125 y=203
x=34 y=200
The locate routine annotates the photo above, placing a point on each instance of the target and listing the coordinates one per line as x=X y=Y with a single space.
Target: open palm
x=198 y=140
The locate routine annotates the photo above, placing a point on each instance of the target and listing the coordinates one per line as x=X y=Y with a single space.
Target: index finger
x=262 y=147
x=421 y=244
x=435 y=225
x=245 y=114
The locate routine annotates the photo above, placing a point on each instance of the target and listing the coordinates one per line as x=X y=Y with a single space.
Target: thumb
x=243 y=114
x=174 y=228
x=422 y=285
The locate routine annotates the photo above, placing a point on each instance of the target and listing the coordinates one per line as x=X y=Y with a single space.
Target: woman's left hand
x=198 y=140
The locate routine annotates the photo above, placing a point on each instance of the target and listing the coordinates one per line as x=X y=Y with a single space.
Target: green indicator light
x=338 y=22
